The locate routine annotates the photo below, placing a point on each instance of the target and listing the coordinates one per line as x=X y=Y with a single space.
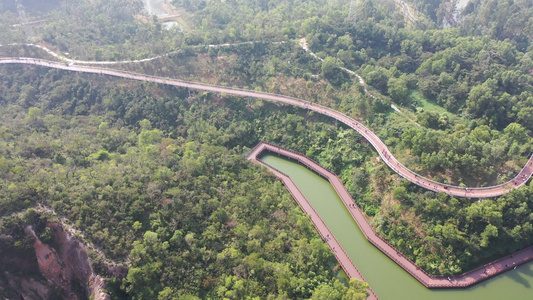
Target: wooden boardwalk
x=430 y=281
x=373 y=139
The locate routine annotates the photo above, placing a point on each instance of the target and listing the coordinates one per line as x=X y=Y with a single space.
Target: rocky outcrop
x=78 y=266
x=19 y=276
x=65 y=265
x=32 y=288
x=49 y=264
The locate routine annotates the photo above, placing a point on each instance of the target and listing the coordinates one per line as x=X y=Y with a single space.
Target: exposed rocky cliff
x=58 y=269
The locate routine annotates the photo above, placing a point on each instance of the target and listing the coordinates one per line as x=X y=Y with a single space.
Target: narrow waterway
x=388 y=280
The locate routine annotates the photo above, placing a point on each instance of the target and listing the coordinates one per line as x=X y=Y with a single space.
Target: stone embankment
x=344 y=260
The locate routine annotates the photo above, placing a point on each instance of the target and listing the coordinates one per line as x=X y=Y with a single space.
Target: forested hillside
x=500 y=20
x=174 y=197
x=156 y=176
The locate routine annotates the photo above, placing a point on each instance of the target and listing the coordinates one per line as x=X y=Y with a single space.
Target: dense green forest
x=156 y=176
x=173 y=195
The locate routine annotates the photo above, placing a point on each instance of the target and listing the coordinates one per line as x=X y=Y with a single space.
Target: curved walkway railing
x=431 y=281
x=375 y=141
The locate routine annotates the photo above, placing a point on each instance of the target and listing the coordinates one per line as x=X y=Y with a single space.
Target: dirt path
x=303 y=44
x=71 y=61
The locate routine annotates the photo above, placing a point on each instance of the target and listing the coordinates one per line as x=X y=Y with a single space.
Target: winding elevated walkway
x=430 y=281
x=383 y=152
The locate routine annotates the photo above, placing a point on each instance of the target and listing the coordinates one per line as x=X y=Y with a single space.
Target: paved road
x=430 y=281
x=380 y=147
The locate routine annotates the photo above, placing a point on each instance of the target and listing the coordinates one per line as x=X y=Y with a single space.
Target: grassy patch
x=428 y=105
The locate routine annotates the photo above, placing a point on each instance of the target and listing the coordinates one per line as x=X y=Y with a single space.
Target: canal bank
x=386 y=278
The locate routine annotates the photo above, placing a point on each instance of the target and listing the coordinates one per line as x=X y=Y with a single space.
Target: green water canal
x=388 y=280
